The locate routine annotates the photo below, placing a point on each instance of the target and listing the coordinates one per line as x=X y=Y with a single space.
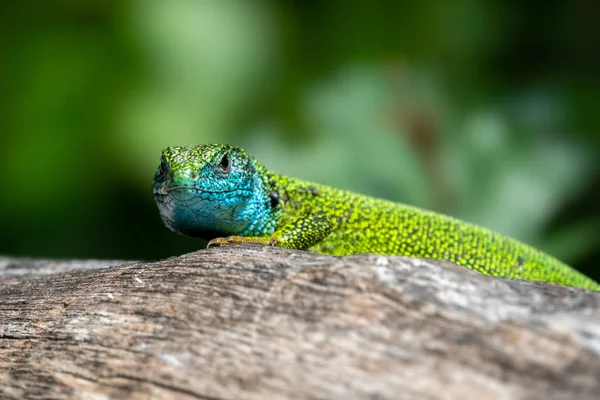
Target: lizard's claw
x=220 y=241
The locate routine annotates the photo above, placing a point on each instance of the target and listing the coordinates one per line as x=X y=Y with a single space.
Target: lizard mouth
x=175 y=188
x=165 y=191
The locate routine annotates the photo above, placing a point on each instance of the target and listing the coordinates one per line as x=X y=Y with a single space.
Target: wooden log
x=247 y=322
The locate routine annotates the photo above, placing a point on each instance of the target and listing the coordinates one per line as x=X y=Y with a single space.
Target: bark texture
x=246 y=322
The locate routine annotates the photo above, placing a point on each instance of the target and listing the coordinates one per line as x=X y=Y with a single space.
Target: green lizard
x=216 y=190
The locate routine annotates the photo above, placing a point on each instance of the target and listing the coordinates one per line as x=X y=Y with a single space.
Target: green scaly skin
x=221 y=190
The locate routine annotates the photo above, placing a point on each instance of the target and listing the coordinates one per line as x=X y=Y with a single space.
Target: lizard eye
x=162 y=168
x=224 y=163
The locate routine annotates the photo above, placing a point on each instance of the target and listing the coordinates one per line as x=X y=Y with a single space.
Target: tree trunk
x=247 y=322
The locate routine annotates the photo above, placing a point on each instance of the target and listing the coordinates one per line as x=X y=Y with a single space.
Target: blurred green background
x=481 y=109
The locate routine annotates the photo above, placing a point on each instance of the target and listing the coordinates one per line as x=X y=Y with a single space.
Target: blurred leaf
x=574 y=241
x=206 y=60
x=481 y=109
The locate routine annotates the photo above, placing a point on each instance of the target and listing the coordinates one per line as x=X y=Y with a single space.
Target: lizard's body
x=219 y=190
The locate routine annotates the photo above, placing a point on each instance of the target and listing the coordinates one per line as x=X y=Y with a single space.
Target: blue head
x=212 y=190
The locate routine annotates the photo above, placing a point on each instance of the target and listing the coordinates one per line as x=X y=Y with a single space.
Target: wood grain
x=247 y=322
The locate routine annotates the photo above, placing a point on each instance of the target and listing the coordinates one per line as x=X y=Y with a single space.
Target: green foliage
x=480 y=109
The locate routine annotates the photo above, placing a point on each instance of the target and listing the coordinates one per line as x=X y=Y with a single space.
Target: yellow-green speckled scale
x=228 y=192
x=363 y=224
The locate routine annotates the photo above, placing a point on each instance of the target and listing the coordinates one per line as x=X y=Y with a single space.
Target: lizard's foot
x=219 y=242
x=241 y=239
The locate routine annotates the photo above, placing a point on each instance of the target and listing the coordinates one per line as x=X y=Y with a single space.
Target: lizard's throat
x=206 y=214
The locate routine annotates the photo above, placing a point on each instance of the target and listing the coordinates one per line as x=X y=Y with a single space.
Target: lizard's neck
x=265 y=202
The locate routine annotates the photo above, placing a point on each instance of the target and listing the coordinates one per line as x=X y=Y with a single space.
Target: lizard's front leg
x=300 y=234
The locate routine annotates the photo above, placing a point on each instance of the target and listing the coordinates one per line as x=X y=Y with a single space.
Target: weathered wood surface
x=245 y=322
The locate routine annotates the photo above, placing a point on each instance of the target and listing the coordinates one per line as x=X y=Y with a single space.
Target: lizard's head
x=210 y=190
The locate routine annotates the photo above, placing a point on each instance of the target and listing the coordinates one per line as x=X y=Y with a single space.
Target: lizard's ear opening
x=274 y=197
